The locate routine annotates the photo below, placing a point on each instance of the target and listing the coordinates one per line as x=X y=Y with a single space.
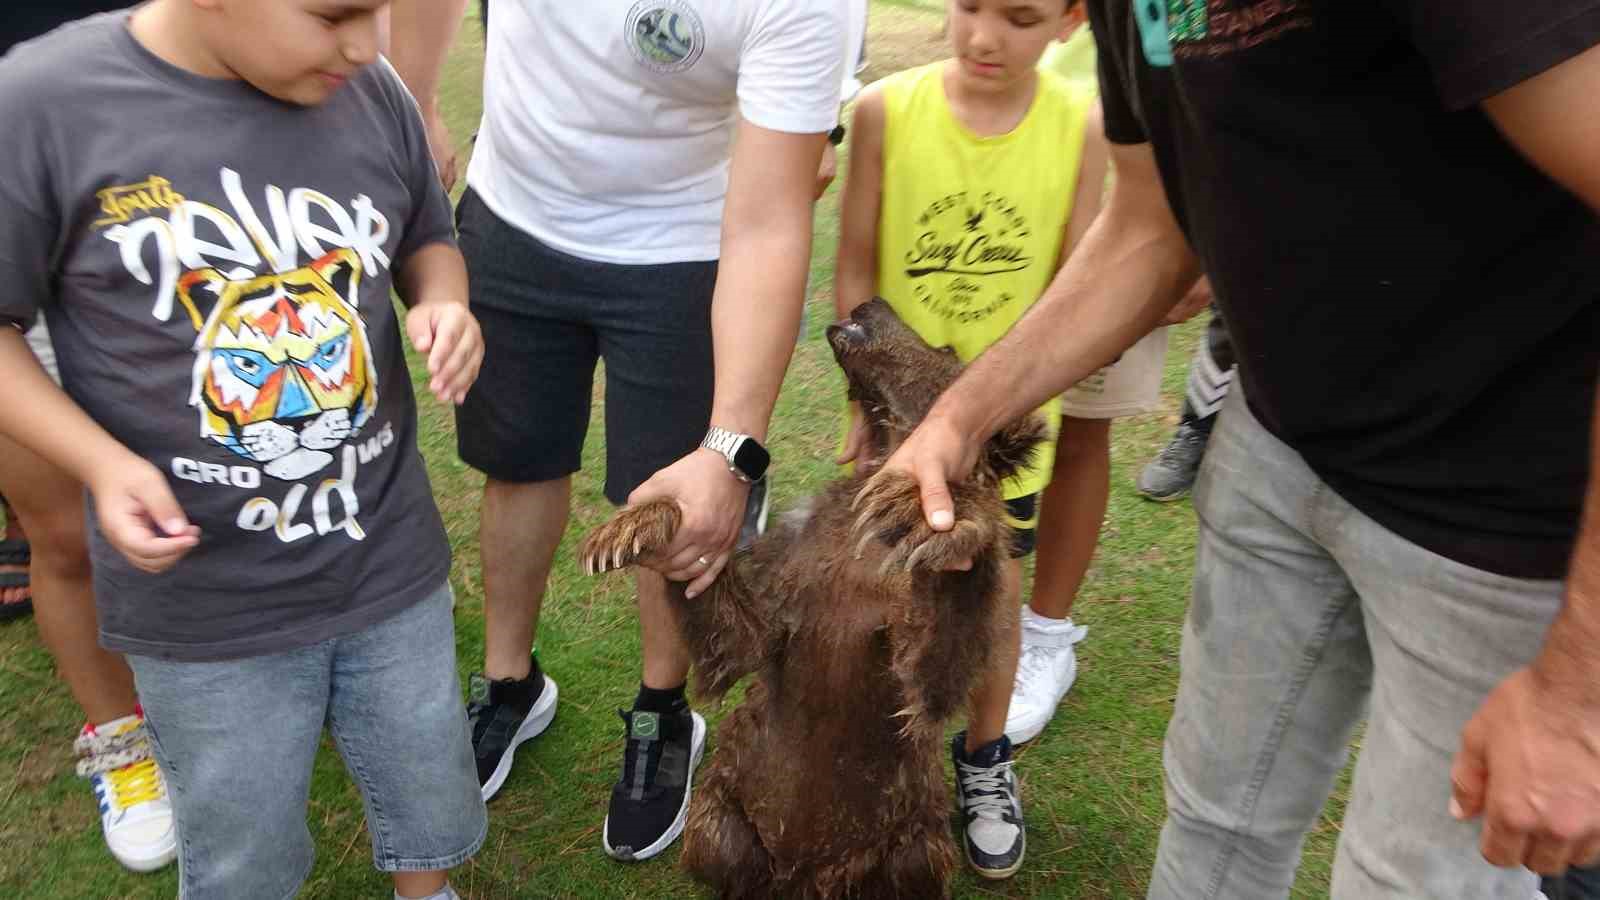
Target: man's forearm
x=755 y=315
x=421 y=32
x=1569 y=650
x=41 y=417
x=1122 y=280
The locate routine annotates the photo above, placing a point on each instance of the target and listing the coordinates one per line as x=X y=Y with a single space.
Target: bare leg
x=419 y=884
x=50 y=504
x=519 y=530
x=991 y=699
x=666 y=656
x=1073 y=508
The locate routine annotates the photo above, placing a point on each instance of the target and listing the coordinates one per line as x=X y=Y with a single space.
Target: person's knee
x=58 y=541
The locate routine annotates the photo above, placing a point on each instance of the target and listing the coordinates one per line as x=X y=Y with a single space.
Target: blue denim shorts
x=236 y=740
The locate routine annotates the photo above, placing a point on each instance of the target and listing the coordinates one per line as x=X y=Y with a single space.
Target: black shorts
x=1023 y=513
x=547 y=317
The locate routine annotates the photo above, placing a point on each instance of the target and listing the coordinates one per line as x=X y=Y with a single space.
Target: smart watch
x=747 y=459
x=836 y=136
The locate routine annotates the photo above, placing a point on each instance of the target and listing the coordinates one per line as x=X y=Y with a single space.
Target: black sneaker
x=651 y=802
x=991 y=807
x=755 y=515
x=1171 y=474
x=502 y=715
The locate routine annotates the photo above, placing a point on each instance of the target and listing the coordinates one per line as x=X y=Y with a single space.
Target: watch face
x=751 y=459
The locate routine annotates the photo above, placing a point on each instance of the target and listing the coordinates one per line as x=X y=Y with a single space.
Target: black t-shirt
x=27 y=19
x=1416 y=309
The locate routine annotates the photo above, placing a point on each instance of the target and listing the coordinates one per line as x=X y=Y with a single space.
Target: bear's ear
x=341 y=269
x=1013 y=448
x=193 y=287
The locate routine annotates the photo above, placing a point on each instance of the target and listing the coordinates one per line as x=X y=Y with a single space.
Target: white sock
x=115 y=725
x=1028 y=615
x=445 y=893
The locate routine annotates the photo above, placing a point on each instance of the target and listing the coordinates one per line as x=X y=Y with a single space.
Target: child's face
x=299 y=51
x=998 y=42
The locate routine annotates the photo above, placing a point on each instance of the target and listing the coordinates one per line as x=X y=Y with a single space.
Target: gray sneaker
x=1171 y=474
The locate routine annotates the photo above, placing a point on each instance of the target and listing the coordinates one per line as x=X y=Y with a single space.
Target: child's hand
x=139 y=515
x=449 y=334
x=855 y=442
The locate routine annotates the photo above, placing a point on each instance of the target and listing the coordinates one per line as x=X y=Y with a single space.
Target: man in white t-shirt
x=628 y=146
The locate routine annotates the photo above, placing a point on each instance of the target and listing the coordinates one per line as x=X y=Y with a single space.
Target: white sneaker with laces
x=135 y=812
x=1045 y=672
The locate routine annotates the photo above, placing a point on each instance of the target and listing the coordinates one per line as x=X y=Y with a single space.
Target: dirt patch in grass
x=899 y=38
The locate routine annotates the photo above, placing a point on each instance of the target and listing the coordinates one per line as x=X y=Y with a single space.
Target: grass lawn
x=1091 y=783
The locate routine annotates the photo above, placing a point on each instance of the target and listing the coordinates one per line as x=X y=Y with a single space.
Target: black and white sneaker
x=651 y=801
x=991 y=807
x=504 y=714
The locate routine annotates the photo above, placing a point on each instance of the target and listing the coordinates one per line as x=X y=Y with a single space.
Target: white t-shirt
x=608 y=124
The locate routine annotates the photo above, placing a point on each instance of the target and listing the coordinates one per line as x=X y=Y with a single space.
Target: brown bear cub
x=828 y=780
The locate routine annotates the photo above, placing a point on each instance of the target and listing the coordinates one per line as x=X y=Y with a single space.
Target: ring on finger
x=702 y=561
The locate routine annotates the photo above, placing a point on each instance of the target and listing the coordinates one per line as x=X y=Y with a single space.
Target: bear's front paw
x=634 y=532
x=889 y=509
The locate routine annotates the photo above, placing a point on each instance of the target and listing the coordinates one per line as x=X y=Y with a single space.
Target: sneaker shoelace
x=123 y=762
x=1035 y=660
x=136 y=783
x=641 y=758
x=1036 y=657
x=1178 y=450
x=987 y=789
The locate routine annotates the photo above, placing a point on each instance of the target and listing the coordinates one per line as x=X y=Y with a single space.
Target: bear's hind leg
x=720 y=846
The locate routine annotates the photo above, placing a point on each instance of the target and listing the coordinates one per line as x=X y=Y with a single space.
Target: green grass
x=1092 y=782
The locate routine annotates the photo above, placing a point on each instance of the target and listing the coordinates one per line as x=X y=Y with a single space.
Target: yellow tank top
x=970 y=228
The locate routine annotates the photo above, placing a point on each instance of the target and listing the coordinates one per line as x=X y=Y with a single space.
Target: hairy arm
x=755 y=312
x=1530 y=758
x=420 y=35
x=1131 y=267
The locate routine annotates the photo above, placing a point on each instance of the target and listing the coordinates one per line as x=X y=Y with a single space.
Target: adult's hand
x=712 y=501
x=935 y=454
x=1530 y=767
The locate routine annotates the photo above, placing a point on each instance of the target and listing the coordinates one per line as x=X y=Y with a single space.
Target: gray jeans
x=1305 y=613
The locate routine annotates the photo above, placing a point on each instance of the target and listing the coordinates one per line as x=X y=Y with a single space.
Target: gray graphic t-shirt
x=215 y=267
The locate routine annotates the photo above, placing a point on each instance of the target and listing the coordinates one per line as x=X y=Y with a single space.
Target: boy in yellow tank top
x=969 y=182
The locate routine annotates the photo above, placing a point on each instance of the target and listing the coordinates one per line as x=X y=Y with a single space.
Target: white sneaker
x=1045 y=673
x=135 y=812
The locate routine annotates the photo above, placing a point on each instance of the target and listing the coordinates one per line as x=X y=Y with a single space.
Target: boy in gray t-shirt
x=208 y=202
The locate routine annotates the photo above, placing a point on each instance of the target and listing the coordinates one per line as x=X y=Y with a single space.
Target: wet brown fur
x=828 y=780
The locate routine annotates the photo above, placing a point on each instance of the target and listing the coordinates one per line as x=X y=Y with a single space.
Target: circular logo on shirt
x=665 y=35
